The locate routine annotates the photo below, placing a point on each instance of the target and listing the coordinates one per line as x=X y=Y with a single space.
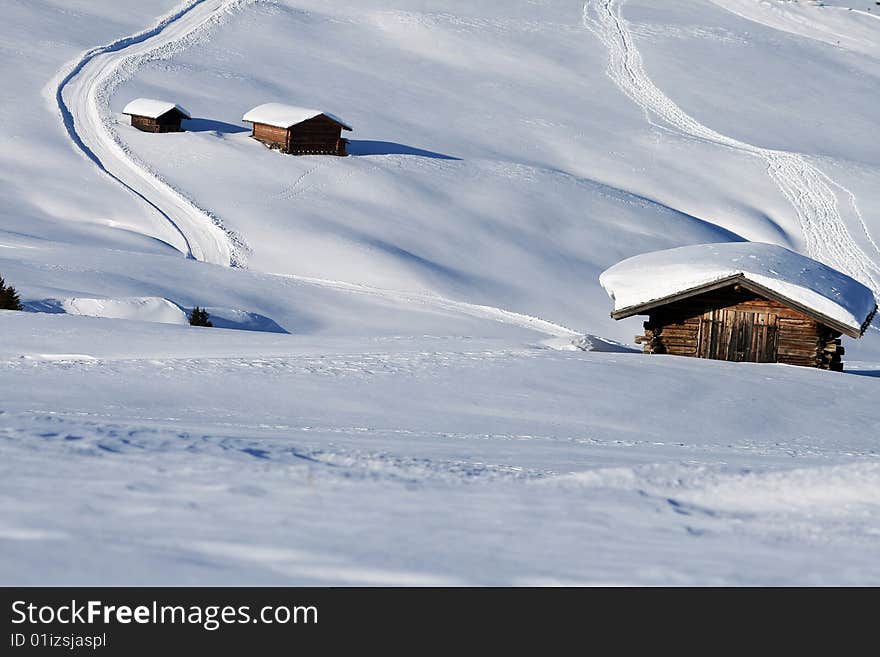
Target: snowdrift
x=145 y=309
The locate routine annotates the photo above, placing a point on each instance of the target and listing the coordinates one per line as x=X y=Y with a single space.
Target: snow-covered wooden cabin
x=741 y=301
x=298 y=130
x=152 y=115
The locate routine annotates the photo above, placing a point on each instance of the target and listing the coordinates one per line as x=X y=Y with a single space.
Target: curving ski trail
x=81 y=91
x=807 y=188
x=479 y=311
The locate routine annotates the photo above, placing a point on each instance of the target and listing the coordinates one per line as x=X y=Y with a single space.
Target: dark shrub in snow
x=8 y=297
x=200 y=317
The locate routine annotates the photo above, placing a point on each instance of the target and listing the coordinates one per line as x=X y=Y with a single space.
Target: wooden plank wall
x=681 y=329
x=145 y=124
x=317 y=136
x=170 y=121
x=165 y=123
x=738 y=335
x=271 y=135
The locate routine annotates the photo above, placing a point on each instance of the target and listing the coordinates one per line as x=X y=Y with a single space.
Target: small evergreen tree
x=199 y=317
x=9 y=297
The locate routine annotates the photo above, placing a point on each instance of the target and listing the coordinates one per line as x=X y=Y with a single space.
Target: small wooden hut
x=297 y=130
x=151 y=115
x=741 y=302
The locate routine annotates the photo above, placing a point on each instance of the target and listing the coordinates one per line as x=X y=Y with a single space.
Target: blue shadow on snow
x=243 y=321
x=369 y=147
x=209 y=125
x=874 y=373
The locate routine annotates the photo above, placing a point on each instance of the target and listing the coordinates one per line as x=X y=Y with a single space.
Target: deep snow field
x=405 y=385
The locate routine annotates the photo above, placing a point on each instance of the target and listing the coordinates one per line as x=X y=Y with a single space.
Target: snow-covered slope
x=810 y=191
x=399 y=301
x=503 y=185
x=157 y=454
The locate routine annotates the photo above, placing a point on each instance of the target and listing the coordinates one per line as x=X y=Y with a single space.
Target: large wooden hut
x=741 y=302
x=152 y=115
x=297 y=130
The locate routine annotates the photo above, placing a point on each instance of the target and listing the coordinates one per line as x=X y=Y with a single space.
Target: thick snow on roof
x=152 y=108
x=284 y=116
x=655 y=276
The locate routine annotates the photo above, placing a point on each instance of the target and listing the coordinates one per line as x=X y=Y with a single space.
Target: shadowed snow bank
x=154 y=309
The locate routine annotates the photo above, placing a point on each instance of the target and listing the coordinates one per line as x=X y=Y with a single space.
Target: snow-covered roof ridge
x=152 y=108
x=281 y=115
x=651 y=278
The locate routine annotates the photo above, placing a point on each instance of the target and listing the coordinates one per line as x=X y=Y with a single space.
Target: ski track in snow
x=81 y=92
x=491 y=313
x=807 y=188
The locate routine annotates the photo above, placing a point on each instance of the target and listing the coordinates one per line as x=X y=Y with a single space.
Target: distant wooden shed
x=151 y=115
x=298 y=130
x=741 y=302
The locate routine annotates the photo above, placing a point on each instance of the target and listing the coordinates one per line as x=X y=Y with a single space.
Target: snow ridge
x=81 y=91
x=800 y=20
x=807 y=188
x=491 y=313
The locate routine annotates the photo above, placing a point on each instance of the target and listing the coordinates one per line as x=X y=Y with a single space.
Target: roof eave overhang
x=272 y=125
x=869 y=319
x=288 y=127
x=642 y=308
x=740 y=279
x=159 y=116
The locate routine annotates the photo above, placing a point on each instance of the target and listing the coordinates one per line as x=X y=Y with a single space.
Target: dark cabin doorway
x=739 y=336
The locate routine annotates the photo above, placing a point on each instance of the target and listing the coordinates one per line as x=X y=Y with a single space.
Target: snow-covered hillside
x=234 y=458
x=412 y=311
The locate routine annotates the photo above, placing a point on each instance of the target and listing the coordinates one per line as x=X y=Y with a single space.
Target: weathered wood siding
x=316 y=136
x=145 y=124
x=739 y=325
x=271 y=135
x=739 y=334
x=168 y=122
